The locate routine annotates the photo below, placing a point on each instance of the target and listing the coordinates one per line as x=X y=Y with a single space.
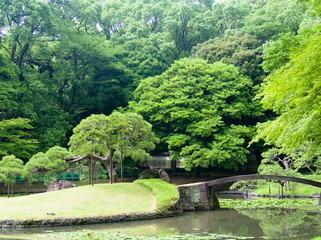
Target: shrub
x=166 y=194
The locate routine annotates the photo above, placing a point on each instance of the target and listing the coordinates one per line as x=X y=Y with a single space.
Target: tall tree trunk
x=27 y=186
x=8 y=190
x=91 y=172
x=111 y=172
x=109 y=167
x=121 y=165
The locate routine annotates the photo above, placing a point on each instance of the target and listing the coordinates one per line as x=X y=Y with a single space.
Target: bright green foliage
x=293 y=92
x=279 y=52
x=273 y=18
x=230 y=15
x=15 y=138
x=166 y=194
x=61 y=61
x=267 y=203
x=90 y=136
x=276 y=163
x=315 y=6
x=199 y=110
x=2 y=177
x=100 y=136
x=150 y=56
x=181 y=24
x=10 y=167
x=132 y=135
x=44 y=165
x=80 y=202
x=189 y=24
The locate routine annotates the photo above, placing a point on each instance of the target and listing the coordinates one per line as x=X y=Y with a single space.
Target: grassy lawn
x=85 y=201
x=295 y=188
x=290 y=188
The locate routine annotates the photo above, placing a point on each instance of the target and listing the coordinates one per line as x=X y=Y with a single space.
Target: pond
x=247 y=224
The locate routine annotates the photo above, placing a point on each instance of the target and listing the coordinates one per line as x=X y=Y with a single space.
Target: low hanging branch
x=117 y=131
x=107 y=161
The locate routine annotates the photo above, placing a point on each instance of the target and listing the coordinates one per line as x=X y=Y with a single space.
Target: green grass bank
x=290 y=188
x=91 y=201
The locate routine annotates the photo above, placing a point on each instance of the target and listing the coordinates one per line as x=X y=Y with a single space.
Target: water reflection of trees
x=257 y=223
x=285 y=223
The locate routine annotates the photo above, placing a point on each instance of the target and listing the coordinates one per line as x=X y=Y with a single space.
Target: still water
x=254 y=224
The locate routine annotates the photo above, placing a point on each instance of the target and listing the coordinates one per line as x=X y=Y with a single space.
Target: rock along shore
x=88 y=220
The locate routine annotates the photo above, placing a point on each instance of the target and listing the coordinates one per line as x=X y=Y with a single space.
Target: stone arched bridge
x=203 y=195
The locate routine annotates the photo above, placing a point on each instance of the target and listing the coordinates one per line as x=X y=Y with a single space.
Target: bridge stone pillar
x=198 y=196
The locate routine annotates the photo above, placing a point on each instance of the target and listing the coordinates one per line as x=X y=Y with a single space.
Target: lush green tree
x=284 y=59
x=42 y=166
x=180 y=24
x=275 y=163
x=202 y=111
x=150 y=56
x=15 y=138
x=8 y=88
x=63 y=68
x=98 y=137
x=230 y=15
x=29 y=32
x=292 y=91
x=10 y=167
x=273 y=18
x=61 y=61
x=24 y=23
x=315 y=7
x=277 y=53
x=241 y=50
x=190 y=23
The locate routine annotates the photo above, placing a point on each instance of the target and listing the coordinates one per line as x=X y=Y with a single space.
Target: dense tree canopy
x=62 y=61
x=15 y=138
x=241 y=50
x=202 y=110
x=273 y=18
x=292 y=91
x=98 y=137
x=10 y=167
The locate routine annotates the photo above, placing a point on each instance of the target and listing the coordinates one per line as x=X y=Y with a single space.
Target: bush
x=166 y=194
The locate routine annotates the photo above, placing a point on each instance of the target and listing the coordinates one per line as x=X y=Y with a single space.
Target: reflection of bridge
x=203 y=195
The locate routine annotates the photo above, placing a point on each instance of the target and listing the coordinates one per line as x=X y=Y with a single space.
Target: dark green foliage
x=15 y=138
x=62 y=61
x=241 y=50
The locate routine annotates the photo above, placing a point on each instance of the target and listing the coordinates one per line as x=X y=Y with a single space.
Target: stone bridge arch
x=203 y=195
